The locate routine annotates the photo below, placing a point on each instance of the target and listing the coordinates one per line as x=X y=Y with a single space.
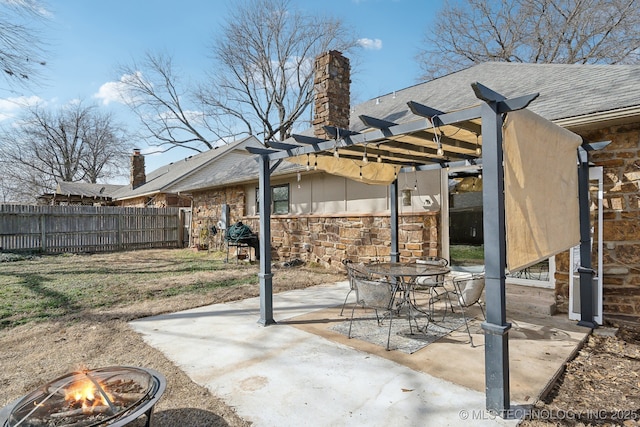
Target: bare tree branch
x=76 y=143
x=261 y=83
x=22 y=52
x=534 y=31
x=152 y=92
x=265 y=64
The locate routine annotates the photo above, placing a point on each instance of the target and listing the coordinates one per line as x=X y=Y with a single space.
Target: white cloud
x=115 y=91
x=110 y=91
x=11 y=107
x=370 y=44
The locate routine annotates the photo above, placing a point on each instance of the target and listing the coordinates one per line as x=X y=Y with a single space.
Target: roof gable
x=162 y=179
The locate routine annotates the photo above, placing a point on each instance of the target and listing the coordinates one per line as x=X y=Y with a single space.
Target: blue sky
x=88 y=39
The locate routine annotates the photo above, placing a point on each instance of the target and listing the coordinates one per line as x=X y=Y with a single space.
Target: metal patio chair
x=468 y=291
x=354 y=270
x=378 y=295
x=434 y=285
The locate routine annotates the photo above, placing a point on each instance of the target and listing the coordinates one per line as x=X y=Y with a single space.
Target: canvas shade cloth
x=372 y=172
x=541 y=189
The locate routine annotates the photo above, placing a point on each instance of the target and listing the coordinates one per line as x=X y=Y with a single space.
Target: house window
x=279 y=199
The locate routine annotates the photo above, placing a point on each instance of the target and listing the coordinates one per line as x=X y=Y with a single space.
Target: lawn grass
x=466 y=254
x=40 y=288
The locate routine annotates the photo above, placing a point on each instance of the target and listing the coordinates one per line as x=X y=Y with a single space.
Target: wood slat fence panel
x=56 y=229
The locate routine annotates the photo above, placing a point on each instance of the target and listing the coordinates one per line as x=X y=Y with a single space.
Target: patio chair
x=435 y=285
x=378 y=295
x=433 y=260
x=468 y=291
x=354 y=270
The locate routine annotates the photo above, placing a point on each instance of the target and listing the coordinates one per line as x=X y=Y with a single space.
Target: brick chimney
x=332 y=93
x=138 y=176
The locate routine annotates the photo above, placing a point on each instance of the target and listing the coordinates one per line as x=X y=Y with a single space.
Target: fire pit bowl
x=112 y=396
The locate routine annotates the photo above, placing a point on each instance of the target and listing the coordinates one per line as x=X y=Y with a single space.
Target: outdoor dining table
x=405 y=274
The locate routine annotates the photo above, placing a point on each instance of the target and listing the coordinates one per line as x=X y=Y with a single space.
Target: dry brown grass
x=66 y=312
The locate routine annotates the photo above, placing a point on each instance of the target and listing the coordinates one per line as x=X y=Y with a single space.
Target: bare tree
x=533 y=31
x=164 y=106
x=265 y=58
x=261 y=82
x=77 y=143
x=21 y=48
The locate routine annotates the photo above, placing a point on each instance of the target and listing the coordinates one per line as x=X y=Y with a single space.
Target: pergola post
x=496 y=328
x=393 y=219
x=265 y=276
x=585 y=270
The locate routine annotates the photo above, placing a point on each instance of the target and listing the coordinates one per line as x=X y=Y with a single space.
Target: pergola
x=435 y=140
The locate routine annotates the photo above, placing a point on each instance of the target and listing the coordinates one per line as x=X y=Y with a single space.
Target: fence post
x=119 y=234
x=43 y=233
x=180 y=228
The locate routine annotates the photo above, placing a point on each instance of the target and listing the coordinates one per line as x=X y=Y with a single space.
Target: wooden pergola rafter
x=433 y=141
x=417 y=142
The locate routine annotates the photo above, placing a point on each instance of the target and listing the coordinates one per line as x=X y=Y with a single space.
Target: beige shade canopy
x=540 y=159
x=541 y=189
x=540 y=166
x=376 y=155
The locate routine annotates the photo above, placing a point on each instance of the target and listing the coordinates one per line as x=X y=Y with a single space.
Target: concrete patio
x=301 y=372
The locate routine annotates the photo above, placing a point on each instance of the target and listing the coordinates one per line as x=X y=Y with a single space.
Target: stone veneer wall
x=327 y=240
x=207 y=210
x=136 y=202
x=621 y=223
x=323 y=239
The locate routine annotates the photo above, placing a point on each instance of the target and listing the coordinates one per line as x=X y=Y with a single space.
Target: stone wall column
x=332 y=93
x=621 y=224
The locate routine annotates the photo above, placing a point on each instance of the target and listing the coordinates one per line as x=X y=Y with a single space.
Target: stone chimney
x=138 y=176
x=332 y=93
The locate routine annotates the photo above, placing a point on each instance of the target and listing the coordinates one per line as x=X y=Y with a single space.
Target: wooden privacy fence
x=55 y=229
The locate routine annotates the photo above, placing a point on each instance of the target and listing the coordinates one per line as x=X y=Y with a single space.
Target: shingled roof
x=566 y=91
x=165 y=178
x=88 y=190
x=569 y=94
x=392 y=127
x=223 y=165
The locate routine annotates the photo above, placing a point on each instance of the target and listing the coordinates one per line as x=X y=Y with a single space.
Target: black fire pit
x=113 y=396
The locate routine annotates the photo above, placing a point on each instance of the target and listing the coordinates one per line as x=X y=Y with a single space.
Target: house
x=80 y=193
x=325 y=218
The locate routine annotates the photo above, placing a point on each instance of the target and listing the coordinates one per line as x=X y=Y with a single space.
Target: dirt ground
x=601 y=386
x=34 y=354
